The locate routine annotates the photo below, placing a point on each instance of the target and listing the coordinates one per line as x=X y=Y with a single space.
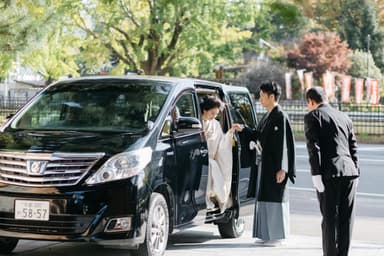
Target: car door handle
x=203 y=152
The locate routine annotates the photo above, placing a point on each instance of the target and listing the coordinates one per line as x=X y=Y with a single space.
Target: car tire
x=233 y=229
x=157 y=230
x=7 y=245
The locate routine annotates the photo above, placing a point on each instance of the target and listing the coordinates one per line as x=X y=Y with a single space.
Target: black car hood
x=68 y=141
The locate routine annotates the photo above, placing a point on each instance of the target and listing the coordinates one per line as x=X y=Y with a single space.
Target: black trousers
x=337 y=206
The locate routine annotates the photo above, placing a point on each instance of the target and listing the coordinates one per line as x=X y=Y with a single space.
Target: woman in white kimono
x=220 y=155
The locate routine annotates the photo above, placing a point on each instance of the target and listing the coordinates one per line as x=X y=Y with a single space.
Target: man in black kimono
x=332 y=150
x=275 y=137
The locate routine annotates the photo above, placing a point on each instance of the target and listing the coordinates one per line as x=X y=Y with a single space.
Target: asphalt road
x=305 y=221
x=371 y=164
x=369 y=224
x=370 y=192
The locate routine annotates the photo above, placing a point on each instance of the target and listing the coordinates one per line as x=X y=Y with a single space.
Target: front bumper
x=77 y=214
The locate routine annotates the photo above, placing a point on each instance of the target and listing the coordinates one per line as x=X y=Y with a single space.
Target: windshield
x=99 y=105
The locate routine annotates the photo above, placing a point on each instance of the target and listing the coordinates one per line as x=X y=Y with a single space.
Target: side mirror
x=188 y=123
x=9 y=116
x=6 y=119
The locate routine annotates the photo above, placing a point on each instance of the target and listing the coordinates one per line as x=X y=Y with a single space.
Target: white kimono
x=220 y=165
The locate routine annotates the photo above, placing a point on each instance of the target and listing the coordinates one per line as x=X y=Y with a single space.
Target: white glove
x=318 y=183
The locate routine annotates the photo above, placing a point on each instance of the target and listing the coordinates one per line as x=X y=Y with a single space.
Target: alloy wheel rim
x=239 y=224
x=158 y=230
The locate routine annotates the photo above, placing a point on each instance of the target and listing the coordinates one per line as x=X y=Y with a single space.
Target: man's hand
x=318 y=183
x=280 y=176
x=237 y=127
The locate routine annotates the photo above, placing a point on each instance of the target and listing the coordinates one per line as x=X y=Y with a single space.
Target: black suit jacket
x=331 y=143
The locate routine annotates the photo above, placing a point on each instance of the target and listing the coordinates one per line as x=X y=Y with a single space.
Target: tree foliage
x=163 y=36
x=286 y=21
x=308 y=7
x=181 y=38
x=57 y=58
x=319 y=52
x=277 y=21
x=275 y=24
x=360 y=63
x=58 y=52
x=359 y=21
x=360 y=25
x=379 y=6
x=260 y=72
x=354 y=20
x=20 y=29
x=327 y=14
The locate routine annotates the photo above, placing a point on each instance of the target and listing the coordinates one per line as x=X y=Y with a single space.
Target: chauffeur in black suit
x=332 y=149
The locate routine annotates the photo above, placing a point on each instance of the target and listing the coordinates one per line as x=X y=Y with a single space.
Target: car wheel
x=7 y=244
x=157 y=230
x=233 y=229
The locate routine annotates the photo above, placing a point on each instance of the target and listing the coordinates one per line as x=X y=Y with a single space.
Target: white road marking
x=357 y=194
x=303 y=170
x=360 y=148
x=360 y=159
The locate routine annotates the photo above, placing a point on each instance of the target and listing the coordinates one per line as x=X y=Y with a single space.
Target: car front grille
x=57 y=225
x=45 y=169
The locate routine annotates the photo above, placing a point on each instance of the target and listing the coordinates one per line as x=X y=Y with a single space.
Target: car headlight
x=122 y=166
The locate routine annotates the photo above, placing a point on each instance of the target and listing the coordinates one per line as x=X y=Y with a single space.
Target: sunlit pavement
x=208 y=242
x=205 y=241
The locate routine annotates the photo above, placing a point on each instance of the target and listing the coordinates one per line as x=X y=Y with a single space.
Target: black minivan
x=110 y=160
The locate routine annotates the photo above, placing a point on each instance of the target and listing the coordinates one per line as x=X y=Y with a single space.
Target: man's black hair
x=317 y=94
x=271 y=87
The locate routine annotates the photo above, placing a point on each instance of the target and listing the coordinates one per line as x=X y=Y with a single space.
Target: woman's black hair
x=210 y=102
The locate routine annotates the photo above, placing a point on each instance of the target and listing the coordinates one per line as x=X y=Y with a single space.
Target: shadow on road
x=192 y=236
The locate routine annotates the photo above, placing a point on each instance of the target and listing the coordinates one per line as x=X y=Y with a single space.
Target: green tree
x=358 y=21
x=58 y=56
x=327 y=14
x=19 y=30
x=379 y=4
x=278 y=23
x=287 y=21
x=360 y=24
x=354 y=20
x=57 y=52
x=260 y=72
x=359 y=67
x=308 y=7
x=162 y=36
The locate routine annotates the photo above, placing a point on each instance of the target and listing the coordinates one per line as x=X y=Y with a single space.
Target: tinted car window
x=242 y=109
x=113 y=106
x=185 y=106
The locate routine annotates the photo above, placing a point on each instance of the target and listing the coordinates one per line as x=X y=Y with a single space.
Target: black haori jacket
x=270 y=134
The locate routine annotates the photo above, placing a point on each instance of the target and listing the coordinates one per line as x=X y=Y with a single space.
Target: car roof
x=234 y=88
x=128 y=77
x=172 y=80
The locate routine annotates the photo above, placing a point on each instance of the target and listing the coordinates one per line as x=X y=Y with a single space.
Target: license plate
x=31 y=210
